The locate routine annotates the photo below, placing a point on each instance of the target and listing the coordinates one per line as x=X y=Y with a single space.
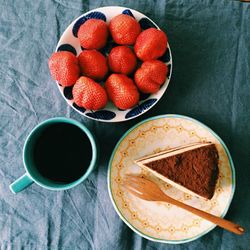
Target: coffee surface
x=62 y=153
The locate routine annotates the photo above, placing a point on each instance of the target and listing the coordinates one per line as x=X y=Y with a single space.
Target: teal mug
x=33 y=175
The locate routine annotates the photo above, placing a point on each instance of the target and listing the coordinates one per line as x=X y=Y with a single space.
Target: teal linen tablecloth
x=210 y=42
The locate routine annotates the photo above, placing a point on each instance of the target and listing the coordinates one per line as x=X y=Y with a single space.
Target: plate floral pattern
x=160 y=221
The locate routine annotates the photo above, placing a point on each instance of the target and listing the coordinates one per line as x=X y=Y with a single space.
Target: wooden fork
x=148 y=190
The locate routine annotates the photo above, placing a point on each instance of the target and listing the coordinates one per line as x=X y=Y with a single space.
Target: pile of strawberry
x=90 y=68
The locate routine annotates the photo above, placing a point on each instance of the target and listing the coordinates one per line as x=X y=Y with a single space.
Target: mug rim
x=90 y=137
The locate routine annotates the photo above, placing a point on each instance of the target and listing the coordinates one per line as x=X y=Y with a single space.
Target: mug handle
x=20 y=184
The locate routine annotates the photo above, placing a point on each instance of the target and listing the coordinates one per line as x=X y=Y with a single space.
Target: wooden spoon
x=148 y=190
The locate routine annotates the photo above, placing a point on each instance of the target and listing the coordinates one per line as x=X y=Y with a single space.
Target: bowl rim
x=167 y=82
x=109 y=178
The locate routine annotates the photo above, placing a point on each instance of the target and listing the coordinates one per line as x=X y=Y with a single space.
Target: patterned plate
x=69 y=42
x=160 y=221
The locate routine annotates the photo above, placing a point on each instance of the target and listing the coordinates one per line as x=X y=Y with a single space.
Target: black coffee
x=62 y=153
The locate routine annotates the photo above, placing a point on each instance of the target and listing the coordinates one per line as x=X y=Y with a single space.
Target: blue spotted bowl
x=70 y=42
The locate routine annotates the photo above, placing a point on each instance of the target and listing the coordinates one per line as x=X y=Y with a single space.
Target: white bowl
x=70 y=42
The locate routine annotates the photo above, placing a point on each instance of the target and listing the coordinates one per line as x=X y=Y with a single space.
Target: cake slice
x=192 y=168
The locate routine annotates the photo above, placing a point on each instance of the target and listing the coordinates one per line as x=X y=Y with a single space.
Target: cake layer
x=192 y=168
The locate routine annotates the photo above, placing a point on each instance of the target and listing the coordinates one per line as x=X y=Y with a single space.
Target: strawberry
x=122 y=60
x=150 y=76
x=124 y=29
x=64 y=67
x=122 y=91
x=93 y=34
x=93 y=64
x=89 y=94
x=151 y=44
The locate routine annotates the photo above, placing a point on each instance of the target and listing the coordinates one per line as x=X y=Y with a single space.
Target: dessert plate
x=160 y=221
x=70 y=42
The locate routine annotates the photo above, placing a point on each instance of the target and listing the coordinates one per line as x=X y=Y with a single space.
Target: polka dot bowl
x=69 y=42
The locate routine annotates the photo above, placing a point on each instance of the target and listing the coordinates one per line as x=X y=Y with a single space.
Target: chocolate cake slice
x=192 y=168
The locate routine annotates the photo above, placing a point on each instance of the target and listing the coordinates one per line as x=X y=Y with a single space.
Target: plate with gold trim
x=158 y=221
